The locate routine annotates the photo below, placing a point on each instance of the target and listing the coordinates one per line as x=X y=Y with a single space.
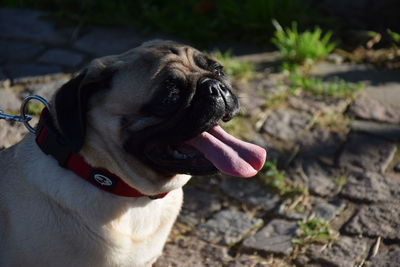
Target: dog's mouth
x=207 y=153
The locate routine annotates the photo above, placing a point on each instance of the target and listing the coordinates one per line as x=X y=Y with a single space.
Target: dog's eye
x=218 y=70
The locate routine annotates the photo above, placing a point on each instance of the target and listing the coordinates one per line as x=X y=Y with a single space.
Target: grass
x=237 y=69
x=340 y=181
x=299 y=48
x=394 y=36
x=314 y=231
x=241 y=127
x=34 y=108
x=276 y=180
x=335 y=88
x=335 y=121
x=276 y=99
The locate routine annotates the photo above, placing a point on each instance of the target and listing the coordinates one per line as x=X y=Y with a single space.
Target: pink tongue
x=229 y=154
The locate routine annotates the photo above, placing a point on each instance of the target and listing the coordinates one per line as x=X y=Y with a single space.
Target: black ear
x=71 y=102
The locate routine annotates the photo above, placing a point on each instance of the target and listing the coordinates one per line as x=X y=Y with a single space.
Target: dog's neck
x=49 y=142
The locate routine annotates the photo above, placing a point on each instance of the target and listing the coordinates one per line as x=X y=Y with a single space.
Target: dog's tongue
x=229 y=154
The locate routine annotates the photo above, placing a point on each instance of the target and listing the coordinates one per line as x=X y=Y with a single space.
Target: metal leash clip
x=22 y=117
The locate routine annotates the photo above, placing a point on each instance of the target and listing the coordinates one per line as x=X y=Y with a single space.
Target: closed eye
x=218 y=70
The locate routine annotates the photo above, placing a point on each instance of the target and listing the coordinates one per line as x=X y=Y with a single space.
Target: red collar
x=49 y=142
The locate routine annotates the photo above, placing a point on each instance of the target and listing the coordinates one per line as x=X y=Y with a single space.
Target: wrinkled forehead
x=173 y=56
x=138 y=71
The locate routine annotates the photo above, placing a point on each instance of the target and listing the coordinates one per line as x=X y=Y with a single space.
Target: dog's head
x=150 y=114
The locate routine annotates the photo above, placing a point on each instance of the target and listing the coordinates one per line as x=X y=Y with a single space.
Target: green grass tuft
x=298 y=48
x=314 y=231
x=336 y=87
x=276 y=180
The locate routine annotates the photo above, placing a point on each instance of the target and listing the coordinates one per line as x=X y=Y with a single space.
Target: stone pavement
x=345 y=152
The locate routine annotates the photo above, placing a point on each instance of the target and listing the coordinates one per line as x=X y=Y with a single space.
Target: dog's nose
x=216 y=89
x=213 y=87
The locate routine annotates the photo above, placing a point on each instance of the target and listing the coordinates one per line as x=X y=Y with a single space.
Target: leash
x=50 y=142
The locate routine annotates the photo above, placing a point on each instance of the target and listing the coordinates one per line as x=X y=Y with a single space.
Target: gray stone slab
x=386 y=93
x=19 y=50
x=9 y=100
x=321 y=142
x=31 y=69
x=367 y=152
x=314 y=104
x=191 y=251
x=250 y=192
x=287 y=210
x=248 y=260
x=227 y=227
x=373 y=187
x=376 y=220
x=345 y=252
x=390 y=258
x=286 y=124
x=320 y=178
x=108 y=41
x=28 y=25
x=197 y=206
x=355 y=73
x=367 y=108
x=276 y=237
x=328 y=211
x=384 y=130
x=61 y=57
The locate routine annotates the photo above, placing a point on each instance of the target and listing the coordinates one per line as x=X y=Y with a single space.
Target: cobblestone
x=320 y=179
x=192 y=251
x=250 y=192
x=61 y=57
x=328 y=211
x=373 y=187
x=386 y=259
x=27 y=25
x=108 y=41
x=276 y=237
x=346 y=252
x=198 y=205
x=384 y=130
x=31 y=69
x=376 y=220
x=19 y=50
x=367 y=152
x=227 y=227
x=367 y=108
x=286 y=124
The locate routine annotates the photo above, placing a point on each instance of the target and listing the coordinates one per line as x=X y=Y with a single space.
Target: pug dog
x=149 y=118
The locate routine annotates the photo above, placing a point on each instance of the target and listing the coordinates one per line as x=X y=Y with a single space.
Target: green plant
x=335 y=121
x=235 y=68
x=276 y=180
x=336 y=87
x=314 y=231
x=276 y=99
x=340 y=181
x=34 y=108
x=298 y=48
x=394 y=36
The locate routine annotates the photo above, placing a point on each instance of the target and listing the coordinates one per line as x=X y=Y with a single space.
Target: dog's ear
x=71 y=102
